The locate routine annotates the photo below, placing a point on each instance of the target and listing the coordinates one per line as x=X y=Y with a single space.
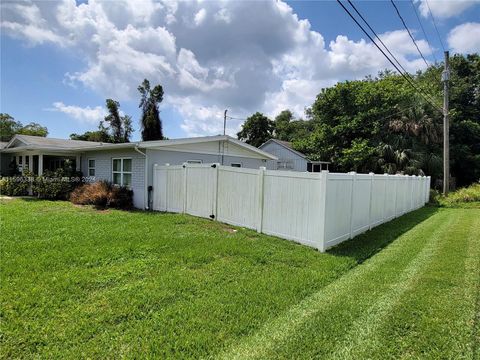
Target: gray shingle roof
x=57 y=143
x=3 y=144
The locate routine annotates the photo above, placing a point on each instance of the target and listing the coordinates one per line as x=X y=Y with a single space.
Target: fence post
x=166 y=187
x=260 y=187
x=352 y=198
x=429 y=179
x=385 y=188
x=372 y=179
x=154 y=179
x=397 y=176
x=184 y=188
x=215 y=191
x=323 y=210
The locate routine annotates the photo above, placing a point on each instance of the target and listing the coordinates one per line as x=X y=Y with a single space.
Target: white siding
x=284 y=154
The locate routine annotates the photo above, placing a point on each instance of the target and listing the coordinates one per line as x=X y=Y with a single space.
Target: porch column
x=40 y=164
x=77 y=161
x=30 y=162
x=24 y=163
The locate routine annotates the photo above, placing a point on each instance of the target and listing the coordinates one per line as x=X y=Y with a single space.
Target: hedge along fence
x=315 y=209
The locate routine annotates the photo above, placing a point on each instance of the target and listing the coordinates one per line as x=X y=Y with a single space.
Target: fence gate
x=189 y=188
x=201 y=190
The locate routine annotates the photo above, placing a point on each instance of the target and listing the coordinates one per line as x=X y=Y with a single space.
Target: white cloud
x=445 y=8
x=200 y=16
x=250 y=56
x=465 y=38
x=86 y=115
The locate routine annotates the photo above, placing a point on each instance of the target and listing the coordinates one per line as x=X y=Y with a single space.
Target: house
x=127 y=164
x=290 y=159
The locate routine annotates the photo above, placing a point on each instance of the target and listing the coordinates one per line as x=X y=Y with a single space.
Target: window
x=122 y=172
x=194 y=161
x=91 y=167
x=20 y=159
x=236 y=165
x=285 y=165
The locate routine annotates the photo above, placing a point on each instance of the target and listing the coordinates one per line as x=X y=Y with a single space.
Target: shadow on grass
x=371 y=242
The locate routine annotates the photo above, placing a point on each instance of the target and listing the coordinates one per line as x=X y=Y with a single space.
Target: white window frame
x=237 y=165
x=94 y=166
x=194 y=161
x=122 y=172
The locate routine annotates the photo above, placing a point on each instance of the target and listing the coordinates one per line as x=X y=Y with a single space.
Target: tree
x=101 y=135
x=114 y=120
x=34 y=129
x=256 y=130
x=150 y=122
x=120 y=126
x=9 y=127
x=282 y=125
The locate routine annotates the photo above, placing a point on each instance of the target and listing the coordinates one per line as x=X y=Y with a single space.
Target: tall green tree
x=9 y=127
x=120 y=127
x=150 y=122
x=256 y=130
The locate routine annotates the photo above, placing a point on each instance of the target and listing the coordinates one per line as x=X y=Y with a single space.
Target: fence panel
x=168 y=185
x=361 y=204
x=378 y=207
x=201 y=187
x=318 y=210
x=237 y=197
x=338 y=208
x=291 y=206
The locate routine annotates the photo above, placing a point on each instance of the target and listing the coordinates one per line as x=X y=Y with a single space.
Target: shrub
x=461 y=196
x=103 y=194
x=15 y=185
x=55 y=185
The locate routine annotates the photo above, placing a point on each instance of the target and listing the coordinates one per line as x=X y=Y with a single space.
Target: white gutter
x=145 y=180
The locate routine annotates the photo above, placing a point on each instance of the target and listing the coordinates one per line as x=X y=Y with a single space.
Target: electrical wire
x=385 y=46
x=435 y=25
x=408 y=30
x=431 y=102
x=423 y=29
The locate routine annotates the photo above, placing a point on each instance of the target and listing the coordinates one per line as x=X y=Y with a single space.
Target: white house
x=127 y=164
x=290 y=159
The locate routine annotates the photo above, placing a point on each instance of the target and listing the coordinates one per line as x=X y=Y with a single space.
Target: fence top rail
x=294 y=174
x=238 y=170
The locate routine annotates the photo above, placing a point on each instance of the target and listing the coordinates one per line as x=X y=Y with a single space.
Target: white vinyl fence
x=315 y=209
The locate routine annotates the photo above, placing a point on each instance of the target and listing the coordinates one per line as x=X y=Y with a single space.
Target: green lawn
x=80 y=283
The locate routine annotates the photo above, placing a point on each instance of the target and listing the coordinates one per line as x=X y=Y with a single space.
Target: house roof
x=285 y=144
x=41 y=143
x=44 y=142
x=3 y=144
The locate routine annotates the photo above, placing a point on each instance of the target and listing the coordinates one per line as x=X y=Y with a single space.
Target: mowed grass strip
x=81 y=283
x=415 y=299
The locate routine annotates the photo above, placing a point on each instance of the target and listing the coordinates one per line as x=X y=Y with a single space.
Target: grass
x=75 y=282
x=467 y=197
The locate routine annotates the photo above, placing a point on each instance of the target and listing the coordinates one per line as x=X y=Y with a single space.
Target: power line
x=435 y=25
x=409 y=33
x=385 y=46
x=423 y=30
x=390 y=60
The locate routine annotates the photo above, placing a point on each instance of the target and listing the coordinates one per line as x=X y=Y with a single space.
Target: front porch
x=38 y=163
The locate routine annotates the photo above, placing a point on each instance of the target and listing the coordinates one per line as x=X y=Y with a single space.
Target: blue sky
x=61 y=60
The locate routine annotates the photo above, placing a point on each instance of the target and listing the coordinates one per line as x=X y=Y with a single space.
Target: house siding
x=284 y=154
x=103 y=170
x=162 y=157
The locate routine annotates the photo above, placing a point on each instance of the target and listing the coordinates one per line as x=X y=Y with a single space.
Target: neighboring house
x=289 y=158
x=128 y=164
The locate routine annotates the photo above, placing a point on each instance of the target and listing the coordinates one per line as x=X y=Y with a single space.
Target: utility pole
x=224 y=120
x=224 y=132
x=446 y=132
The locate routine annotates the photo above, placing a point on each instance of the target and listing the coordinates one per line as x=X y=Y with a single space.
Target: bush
x=55 y=185
x=102 y=195
x=15 y=185
x=461 y=196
